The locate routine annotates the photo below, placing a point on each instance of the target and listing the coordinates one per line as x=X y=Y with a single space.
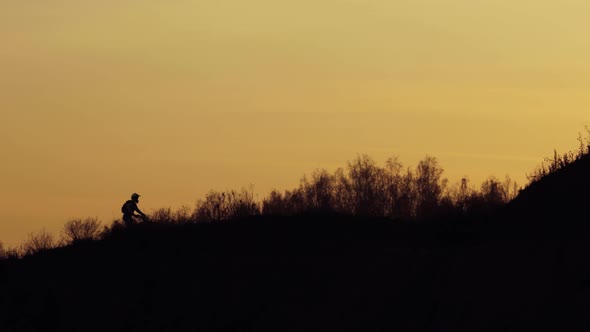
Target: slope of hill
x=240 y=276
x=564 y=193
x=321 y=273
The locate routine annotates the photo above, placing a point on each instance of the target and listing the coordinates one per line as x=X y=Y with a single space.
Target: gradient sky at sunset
x=99 y=99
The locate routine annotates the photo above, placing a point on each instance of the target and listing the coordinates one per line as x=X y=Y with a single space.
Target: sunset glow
x=170 y=99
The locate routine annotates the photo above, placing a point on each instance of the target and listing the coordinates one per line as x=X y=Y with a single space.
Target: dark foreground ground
x=307 y=274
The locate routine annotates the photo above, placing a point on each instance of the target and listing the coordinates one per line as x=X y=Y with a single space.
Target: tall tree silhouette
x=429 y=186
x=367 y=185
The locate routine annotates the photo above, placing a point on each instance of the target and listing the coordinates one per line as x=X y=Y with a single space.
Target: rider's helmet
x=135 y=196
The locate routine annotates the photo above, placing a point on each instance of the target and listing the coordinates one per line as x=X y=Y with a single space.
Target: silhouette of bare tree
x=37 y=242
x=81 y=229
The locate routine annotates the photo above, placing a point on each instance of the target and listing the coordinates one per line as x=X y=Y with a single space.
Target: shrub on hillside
x=220 y=206
x=560 y=161
x=81 y=229
x=37 y=242
x=183 y=215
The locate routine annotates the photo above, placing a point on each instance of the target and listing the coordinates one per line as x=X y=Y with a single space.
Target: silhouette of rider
x=129 y=209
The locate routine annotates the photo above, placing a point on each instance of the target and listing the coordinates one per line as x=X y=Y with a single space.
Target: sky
x=171 y=99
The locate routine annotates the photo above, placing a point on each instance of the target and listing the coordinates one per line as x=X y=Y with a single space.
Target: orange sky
x=99 y=99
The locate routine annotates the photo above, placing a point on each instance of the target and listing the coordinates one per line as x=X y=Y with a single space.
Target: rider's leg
x=128 y=220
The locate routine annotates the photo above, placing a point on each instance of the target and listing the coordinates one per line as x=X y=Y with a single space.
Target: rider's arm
x=139 y=211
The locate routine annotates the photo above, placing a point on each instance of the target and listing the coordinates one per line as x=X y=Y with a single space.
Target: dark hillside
x=565 y=192
x=290 y=274
x=527 y=269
